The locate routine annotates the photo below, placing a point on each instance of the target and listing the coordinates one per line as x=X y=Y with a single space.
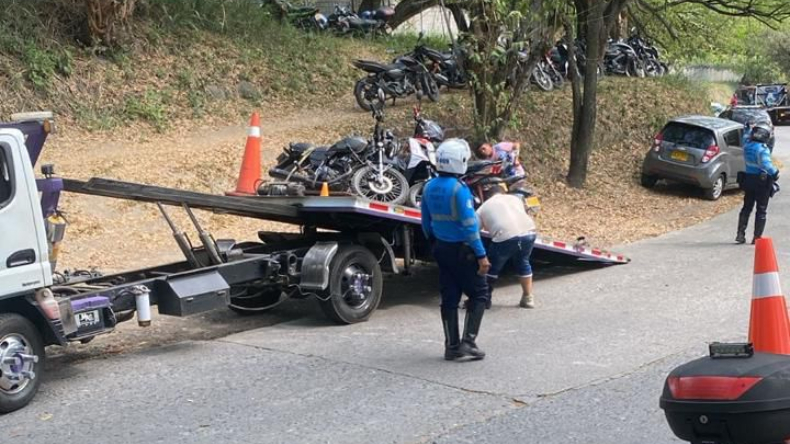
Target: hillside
x=171 y=109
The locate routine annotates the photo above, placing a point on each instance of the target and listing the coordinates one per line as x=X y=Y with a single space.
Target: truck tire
x=18 y=336
x=355 y=284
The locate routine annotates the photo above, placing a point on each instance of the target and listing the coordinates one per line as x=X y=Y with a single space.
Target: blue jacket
x=757 y=156
x=448 y=213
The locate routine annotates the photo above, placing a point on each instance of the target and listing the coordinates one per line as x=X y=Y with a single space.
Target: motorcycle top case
x=730 y=400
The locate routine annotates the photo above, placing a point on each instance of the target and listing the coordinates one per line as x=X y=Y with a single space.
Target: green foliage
x=706 y=37
x=149 y=107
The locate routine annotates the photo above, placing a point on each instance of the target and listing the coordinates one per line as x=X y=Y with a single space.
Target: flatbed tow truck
x=344 y=245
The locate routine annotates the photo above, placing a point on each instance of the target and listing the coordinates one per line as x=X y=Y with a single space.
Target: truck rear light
x=710 y=153
x=657 y=142
x=715 y=388
x=46 y=300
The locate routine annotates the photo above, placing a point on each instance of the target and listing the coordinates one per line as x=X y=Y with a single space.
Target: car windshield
x=750 y=116
x=687 y=135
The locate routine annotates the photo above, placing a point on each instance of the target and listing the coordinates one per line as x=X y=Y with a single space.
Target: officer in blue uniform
x=449 y=221
x=758 y=180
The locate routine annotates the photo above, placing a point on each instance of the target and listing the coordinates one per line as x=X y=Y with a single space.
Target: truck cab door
x=24 y=261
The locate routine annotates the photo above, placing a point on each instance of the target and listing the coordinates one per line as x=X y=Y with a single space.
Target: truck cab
x=24 y=251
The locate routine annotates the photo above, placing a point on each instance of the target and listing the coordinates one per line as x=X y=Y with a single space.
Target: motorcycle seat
x=376 y=67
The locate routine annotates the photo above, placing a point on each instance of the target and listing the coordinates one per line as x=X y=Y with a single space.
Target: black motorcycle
x=346 y=22
x=649 y=56
x=447 y=67
x=403 y=78
x=621 y=59
x=353 y=164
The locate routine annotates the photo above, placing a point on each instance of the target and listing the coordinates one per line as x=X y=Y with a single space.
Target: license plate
x=88 y=318
x=533 y=201
x=679 y=155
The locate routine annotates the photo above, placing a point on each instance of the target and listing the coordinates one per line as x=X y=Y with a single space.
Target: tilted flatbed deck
x=340 y=213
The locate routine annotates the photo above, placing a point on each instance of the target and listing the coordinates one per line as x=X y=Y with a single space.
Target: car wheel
x=718 y=188
x=648 y=181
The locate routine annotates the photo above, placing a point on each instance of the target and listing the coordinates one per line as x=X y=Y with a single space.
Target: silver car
x=698 y=150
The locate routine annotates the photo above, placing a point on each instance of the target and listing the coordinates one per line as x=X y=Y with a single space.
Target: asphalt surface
x=587 y=366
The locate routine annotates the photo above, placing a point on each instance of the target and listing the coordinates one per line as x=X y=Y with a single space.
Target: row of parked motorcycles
x=382 y=168
x=425 y=70
x=342 y=21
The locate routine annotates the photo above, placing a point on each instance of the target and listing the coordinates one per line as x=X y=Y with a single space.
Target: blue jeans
x=518 y=249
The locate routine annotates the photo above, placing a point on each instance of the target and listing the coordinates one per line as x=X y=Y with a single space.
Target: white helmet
x=452 y=155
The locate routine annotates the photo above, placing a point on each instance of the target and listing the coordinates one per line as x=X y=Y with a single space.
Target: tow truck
x=338 y=256
x=773 y=97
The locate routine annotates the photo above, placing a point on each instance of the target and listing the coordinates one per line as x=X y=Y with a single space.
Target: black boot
x=452 y=340
x=743 y=221
x=474 y=316
x=490 y=281
x=759 y=226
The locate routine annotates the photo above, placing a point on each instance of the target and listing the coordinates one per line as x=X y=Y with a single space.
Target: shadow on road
x=420 y=288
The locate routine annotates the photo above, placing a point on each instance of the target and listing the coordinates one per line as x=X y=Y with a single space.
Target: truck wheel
x=249 y=300
x=355 y=284
x=21 y=361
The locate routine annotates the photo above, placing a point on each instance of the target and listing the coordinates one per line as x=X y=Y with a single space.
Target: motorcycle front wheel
x=429 y=87
x=540 y=78
x=392 y=187
x=366 y=92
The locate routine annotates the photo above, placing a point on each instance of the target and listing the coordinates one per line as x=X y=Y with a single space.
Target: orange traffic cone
x=250 y=173
x=769 y=328
x=325 y=190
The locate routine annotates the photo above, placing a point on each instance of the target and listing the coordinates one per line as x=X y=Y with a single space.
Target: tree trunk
x=407 y=9
x=460 y=18
x=370 y=5
x=585 y=133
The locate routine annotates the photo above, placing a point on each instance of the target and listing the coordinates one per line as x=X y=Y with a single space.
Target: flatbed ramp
x=338 y=213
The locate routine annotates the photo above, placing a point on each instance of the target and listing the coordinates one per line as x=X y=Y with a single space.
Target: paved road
x=587 y=366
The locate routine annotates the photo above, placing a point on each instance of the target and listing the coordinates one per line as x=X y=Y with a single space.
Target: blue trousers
x=458 y=275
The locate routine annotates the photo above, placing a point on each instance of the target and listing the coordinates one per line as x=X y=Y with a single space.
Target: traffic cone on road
x=769 y=328
x=250 y=173
x=324 y=190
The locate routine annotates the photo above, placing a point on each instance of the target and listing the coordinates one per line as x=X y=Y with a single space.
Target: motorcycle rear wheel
x=393 y=189
x=366 y=93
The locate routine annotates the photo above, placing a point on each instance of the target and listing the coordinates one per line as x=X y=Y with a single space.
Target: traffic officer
x=449 y=222
x=758 y=181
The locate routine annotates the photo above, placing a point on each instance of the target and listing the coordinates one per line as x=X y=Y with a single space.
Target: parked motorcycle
x=621 y=59
x=345 y=22
x=447 y=67
x=403 y=78
x=353 y=164
x=649 y=55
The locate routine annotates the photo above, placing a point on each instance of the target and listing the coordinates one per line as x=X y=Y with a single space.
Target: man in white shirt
x=513 y=234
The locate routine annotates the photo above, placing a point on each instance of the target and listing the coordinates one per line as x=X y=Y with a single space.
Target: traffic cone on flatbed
x=324 y=190
x=769 y=328
x=250 y=173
